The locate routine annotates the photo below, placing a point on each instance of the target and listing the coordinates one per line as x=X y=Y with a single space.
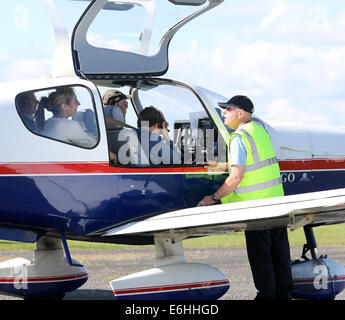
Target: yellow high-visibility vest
x=261 y=178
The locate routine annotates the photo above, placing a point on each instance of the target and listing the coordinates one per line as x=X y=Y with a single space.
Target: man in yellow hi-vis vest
x=255 y=174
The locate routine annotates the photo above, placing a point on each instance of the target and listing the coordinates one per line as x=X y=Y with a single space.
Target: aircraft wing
x=316 y=208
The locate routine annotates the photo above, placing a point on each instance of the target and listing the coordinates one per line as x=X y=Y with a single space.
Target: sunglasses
x=116 y=99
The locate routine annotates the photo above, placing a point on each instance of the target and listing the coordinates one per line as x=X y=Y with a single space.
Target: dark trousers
x=269 y=259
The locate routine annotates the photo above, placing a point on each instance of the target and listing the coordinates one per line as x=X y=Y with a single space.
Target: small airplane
x=55 y=187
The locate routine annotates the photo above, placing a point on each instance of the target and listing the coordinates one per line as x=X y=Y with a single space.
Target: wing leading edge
x=316 y=208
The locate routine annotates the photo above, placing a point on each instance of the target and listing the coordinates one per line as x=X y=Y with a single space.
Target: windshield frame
x=206 y=98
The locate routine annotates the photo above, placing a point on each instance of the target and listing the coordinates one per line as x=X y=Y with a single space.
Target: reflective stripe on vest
x=257 y=163
x=259 y=186
x=261 y=179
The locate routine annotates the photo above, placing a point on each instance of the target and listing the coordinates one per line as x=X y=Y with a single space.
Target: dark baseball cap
x=242 y=102
x=110 y=97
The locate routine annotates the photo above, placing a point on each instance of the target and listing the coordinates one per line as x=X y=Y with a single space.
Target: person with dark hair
x=154 y=120
x=27 y=107
x=63 y=103
x=154 y=136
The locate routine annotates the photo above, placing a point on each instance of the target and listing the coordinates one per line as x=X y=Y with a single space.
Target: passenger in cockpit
x=153 y=133
x=115 y=104
x=115 y=107
x=27 y=107
x=63 y=103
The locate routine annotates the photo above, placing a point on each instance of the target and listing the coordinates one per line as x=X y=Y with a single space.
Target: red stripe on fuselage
x=314 y=164
x=46 y=168
x=312 y=280
x=85 y=168
x=44 y=279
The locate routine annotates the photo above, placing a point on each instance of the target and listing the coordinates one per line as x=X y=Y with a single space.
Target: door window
x=63 y=113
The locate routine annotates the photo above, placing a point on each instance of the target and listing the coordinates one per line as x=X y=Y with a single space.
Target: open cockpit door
x=102 y=63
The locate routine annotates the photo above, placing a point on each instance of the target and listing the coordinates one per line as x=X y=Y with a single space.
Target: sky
x=288 y=56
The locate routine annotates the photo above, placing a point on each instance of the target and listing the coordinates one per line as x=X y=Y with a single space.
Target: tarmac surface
x=106 y=265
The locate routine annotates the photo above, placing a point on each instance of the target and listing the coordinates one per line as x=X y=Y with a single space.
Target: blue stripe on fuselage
x=80 y=204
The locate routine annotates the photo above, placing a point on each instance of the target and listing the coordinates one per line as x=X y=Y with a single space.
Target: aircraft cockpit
x=194 y=136
x=195 y=122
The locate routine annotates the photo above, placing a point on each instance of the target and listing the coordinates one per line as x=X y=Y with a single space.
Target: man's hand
x=206 y=201
x=228 y=186
x=165 y=132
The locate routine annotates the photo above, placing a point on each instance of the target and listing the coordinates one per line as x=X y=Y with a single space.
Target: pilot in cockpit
x=153 y=128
